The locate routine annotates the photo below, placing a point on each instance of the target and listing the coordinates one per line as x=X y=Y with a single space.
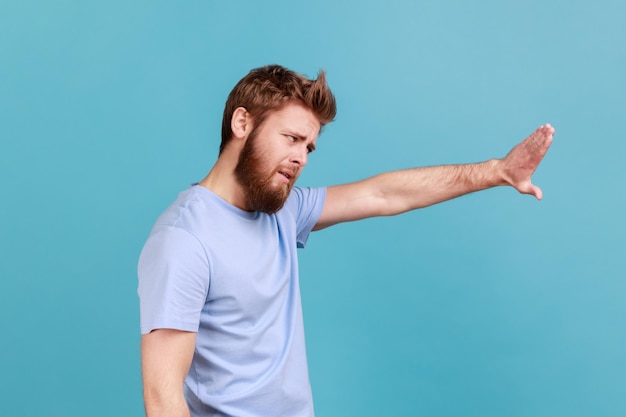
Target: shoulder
x=303 y=199
x=305 y=206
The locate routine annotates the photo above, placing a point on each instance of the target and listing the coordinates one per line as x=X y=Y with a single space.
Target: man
x=221 y=319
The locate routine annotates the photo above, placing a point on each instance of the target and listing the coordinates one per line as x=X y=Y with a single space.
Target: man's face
x=274 y=154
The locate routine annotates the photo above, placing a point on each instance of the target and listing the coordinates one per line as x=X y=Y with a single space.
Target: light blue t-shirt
x=232 y=277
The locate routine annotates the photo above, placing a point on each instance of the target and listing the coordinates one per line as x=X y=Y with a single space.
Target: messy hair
x=270 y=88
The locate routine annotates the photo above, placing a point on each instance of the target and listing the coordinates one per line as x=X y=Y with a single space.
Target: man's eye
x=291 y=138
x=309 y=149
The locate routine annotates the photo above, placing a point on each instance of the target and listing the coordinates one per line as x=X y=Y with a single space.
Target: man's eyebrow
x=297 y=134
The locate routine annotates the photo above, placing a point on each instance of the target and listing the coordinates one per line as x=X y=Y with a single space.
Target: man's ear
x=241 y=123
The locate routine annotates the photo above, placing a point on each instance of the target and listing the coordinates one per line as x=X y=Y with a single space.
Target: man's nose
x=300 y=157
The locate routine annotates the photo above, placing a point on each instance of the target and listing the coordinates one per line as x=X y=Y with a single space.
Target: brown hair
x=270 y=88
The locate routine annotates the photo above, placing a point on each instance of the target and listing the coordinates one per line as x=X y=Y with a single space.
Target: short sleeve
x=307 y=204
x=174 y=281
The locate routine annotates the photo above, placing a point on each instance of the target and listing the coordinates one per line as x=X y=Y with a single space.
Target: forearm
x=166 y=355
x=400 y=191
x=160 y=404
x=404 y=190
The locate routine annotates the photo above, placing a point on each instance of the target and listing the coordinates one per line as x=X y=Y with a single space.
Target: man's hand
x=522 y=161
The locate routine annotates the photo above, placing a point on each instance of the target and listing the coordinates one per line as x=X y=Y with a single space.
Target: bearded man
x=221 y=319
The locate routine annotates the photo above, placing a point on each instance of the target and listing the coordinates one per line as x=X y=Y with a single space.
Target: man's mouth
x=287 y=174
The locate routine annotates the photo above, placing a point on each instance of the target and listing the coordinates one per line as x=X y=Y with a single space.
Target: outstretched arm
x=400 y=191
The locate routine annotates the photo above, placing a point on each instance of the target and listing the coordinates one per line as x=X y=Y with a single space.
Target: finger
x=540 y=140
x=530 y=188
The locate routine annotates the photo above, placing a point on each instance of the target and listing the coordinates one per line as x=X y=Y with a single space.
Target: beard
x=261 y=194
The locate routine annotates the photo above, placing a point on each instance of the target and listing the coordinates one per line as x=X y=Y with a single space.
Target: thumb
x=529 y=188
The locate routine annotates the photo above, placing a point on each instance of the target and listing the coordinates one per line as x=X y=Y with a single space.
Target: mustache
x=293 y=170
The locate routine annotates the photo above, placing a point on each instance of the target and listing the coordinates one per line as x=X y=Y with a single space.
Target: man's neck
x=221 y=181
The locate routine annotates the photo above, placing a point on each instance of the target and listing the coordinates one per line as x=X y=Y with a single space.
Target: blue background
x=493 y=304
